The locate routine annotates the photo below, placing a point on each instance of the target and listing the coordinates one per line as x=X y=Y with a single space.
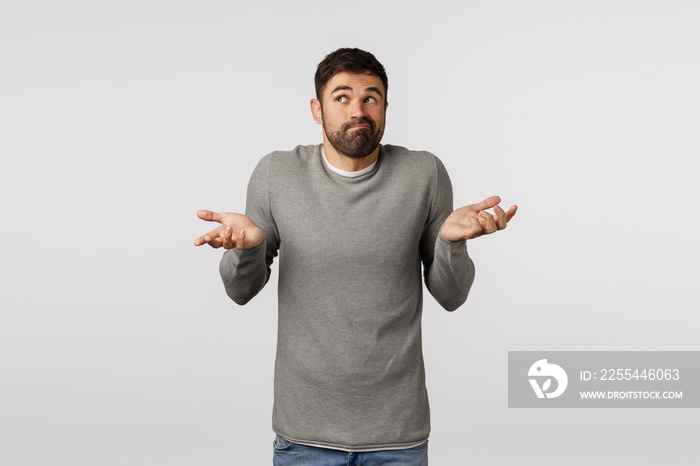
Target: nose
x=357 y=109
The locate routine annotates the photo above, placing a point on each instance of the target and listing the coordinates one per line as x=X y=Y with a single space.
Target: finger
x=511 y=212
x=488 y=222
x=487 y=203
x=213 y=238
x=477 y=229
x=209 y=216
x=204 y=239
x=227 y=241
x=213 y=241
x=500 y=217
x=216 y=243
x=240 y=242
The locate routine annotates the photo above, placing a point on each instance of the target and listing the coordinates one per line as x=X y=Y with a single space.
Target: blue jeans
x=287 y=453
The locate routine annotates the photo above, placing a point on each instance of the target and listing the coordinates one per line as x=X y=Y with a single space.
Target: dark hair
x=352 y=60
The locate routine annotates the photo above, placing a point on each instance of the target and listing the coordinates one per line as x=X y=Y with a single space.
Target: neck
x=343 y=162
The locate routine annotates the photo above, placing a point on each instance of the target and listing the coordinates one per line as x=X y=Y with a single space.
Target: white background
x=119 y=120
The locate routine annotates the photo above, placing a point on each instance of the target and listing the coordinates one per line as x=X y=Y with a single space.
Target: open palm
x=472 y=221
x=247 y=234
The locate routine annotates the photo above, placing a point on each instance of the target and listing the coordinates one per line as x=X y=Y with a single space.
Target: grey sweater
x=349 y=370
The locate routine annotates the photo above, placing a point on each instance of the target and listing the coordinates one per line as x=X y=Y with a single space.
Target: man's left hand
x=472 y=221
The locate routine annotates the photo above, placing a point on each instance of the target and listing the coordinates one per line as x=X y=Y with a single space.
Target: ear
x=316 y=111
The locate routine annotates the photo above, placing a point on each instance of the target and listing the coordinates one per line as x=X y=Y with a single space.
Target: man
x=352 y=221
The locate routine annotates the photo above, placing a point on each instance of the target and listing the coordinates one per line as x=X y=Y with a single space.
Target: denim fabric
x=287 y=453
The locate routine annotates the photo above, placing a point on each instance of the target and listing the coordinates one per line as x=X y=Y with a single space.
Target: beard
x=357 y=144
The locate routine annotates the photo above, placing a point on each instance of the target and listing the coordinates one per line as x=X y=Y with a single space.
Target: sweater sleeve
x=245 y=272
x=448 y=269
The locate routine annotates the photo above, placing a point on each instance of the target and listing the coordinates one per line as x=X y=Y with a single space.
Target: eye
x=341 y=98
x=370 y=100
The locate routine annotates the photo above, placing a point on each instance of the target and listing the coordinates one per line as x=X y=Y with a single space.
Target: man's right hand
x=247 y=234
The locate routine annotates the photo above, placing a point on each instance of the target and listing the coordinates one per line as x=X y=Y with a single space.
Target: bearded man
x=357 y=225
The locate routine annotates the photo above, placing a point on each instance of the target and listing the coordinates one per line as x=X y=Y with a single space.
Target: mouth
x=361 y=124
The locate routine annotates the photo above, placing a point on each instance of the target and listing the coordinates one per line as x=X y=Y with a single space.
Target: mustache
x=360 y=121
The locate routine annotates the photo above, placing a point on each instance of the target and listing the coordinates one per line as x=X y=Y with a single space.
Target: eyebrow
x=348 y=88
